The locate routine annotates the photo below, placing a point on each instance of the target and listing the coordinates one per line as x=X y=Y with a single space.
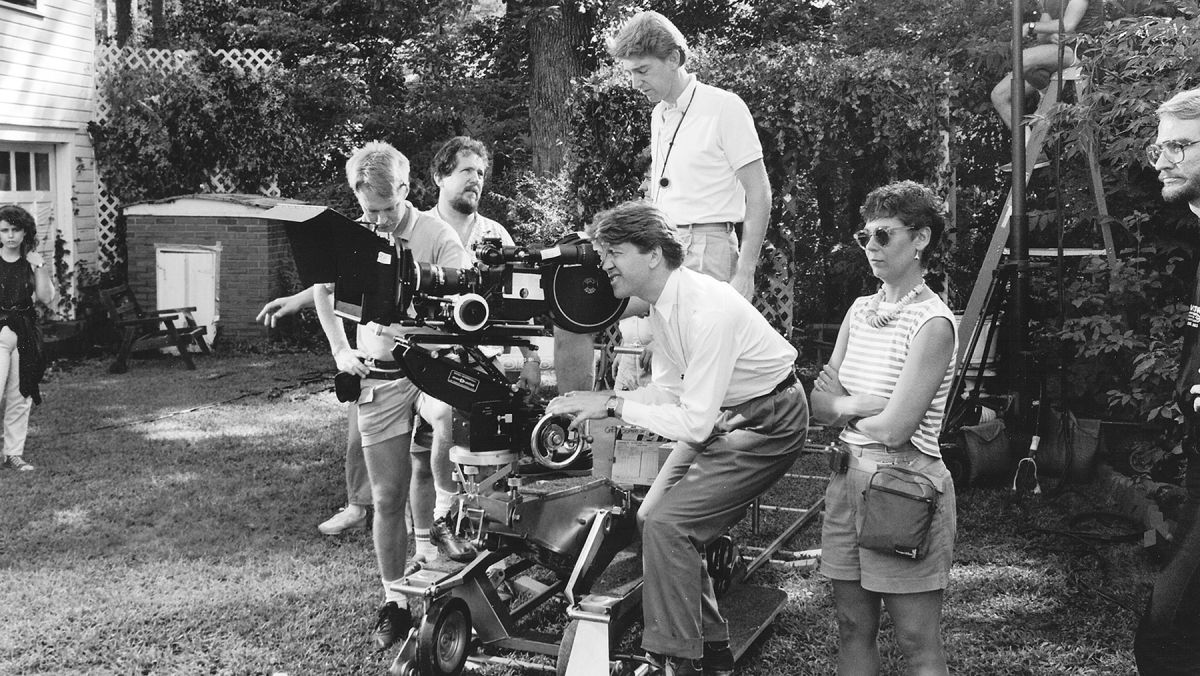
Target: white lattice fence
x=110 y=58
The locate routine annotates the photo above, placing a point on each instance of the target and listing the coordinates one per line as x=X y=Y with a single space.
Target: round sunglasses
x=881 y=235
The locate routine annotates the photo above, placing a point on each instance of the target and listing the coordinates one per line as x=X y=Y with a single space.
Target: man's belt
x=384 y=369
x=787 y=382
x=386 y=375
x=727 y=226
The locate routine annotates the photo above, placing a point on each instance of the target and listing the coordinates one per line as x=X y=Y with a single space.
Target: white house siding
x=47 y=57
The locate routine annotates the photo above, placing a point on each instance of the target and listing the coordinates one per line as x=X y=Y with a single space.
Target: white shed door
x=188 y=278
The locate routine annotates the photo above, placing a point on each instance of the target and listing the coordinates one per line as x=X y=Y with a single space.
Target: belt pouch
x=347 y=386
x=839 y=460
x=898 y=508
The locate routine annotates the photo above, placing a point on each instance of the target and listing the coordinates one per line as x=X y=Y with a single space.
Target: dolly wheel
x=444 y=638
x=406 y=668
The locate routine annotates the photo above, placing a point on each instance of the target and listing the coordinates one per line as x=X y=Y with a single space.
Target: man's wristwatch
x=613 y=402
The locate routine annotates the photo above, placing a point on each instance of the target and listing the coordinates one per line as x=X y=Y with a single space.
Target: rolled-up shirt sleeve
x=683 y=401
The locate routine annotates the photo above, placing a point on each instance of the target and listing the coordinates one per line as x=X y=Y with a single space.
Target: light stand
x=1017 y=333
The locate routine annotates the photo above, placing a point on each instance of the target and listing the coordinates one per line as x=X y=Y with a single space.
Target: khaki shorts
x=841 y=557
x=385 y=409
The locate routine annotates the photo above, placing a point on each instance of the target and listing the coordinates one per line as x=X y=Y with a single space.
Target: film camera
x=512 y=284
x=508 y=296
x=506 y=291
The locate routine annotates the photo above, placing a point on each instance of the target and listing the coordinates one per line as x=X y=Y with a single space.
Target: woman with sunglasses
x=887 y=383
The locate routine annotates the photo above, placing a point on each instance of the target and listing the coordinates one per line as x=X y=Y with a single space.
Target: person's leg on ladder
x=1039 y=56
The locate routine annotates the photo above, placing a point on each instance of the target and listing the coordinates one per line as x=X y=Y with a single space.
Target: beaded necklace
x=879 y=321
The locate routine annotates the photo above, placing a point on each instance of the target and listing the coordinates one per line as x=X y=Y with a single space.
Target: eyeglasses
x=1172 y=150
x=881 y=235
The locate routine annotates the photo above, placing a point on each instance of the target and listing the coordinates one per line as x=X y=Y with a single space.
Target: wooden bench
x=142 y=330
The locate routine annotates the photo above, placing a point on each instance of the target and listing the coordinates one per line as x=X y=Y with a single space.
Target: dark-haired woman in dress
x=24 y=280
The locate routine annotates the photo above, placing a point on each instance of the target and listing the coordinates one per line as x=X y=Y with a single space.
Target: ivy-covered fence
x=169 y=129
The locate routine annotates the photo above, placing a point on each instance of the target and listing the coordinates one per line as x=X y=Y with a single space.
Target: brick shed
x=212 y=251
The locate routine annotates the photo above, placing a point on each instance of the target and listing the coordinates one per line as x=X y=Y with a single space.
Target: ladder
x=1034 y=142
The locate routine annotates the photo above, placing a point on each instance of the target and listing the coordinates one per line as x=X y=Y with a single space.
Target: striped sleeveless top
x=874 y=358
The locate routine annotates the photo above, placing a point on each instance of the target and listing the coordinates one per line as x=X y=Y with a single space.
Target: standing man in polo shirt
x=379 y=173
x=706 y=172
x=724 y=388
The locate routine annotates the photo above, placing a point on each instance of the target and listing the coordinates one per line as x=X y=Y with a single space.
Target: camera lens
x=435 y=280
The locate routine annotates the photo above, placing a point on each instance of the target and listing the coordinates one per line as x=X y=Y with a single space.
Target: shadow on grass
x=164 y=462
x=170 y=529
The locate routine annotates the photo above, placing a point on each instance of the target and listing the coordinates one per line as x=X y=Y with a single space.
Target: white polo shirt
x=715 y=138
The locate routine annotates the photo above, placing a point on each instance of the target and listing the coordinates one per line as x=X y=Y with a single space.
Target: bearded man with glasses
x=1168 y=638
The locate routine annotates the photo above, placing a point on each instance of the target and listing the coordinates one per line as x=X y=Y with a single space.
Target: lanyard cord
x=663 y=181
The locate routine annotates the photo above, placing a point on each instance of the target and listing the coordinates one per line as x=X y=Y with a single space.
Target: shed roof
x=208 y=204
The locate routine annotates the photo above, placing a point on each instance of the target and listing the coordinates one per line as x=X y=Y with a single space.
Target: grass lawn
x=171 y=529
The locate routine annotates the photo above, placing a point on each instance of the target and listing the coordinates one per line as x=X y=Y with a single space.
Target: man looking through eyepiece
x=723 y=387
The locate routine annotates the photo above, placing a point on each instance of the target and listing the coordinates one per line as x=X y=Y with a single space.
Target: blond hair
x=378 y=167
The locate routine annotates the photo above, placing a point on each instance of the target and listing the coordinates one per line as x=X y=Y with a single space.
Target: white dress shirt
x=713 y=350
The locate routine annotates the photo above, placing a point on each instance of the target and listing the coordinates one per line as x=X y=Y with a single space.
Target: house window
x=27 y=178
x=24 y=171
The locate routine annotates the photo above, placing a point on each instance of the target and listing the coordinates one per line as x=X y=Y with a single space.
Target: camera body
x=508 y=296
x=511 y=285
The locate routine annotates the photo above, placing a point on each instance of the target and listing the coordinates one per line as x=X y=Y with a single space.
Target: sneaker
x=346 y=518
x=393 y=623
x=718 y=659
x=448 y=543
x=18 y=463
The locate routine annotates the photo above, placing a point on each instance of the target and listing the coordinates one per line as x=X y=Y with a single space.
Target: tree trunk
x=124 y=10
x=558 y=36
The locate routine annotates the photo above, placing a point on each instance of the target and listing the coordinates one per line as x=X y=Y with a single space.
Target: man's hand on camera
x=531 y=377
x=580 y=406
x=351 y=361
x=645 y=359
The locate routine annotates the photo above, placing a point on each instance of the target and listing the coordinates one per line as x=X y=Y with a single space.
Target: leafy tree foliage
x=847 y=95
